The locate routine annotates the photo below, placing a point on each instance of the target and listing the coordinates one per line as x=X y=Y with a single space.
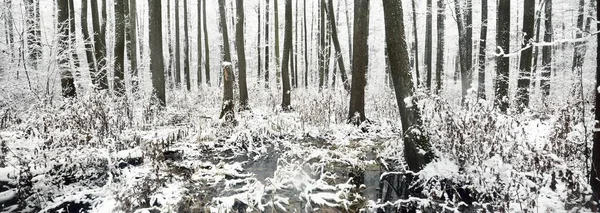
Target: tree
x=417 y=150
x=360 y=60
x=169 y=65
x=547 y=50
x=177 y=47
x=595 y=167
x=186 y=47
x=99 y=47
x=305 y=50
x=321 y=50
x=227 y=112
x=239 y=38
x=199 y=72
x=206 y=47
x=10 y=28
x=91 y=66
x=287 y=46
x=119 y=48
x=67 y=81
x=72 y=38
x=156 y=50
x=34 y=44
x=349 y=26
x=439 y=65
x=276 y=26
x=259 y=40
x=416 y=45
x=580 y=50
x=132 y=38
x=482 y=45
x=526 y=54
x=267 y=44
x=226 y=53
x=465 y=40
x=502 y=62
x=336 y=44
x=428 y=43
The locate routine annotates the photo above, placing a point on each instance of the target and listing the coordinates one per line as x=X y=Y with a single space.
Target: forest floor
x=102 y=154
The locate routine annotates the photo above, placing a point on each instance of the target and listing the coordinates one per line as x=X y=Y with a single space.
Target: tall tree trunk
x=267 y=44
x=305 y=49
x=239 y=34
x=595 y=166
x=177 y=47
x=119 y=49
x=465 y=31
x=296 y=50
x=72 y=37
x=482 y=45
x=206 y=47
x=186 y=47
x=356 y=113
x=199 y=41
x=349 y=26
x=547 y=51
x=321 y=51
x=132 y=50
x=429 y=43
x=89 y=52
x=525 y=64
x=502 y=63
x=10 y=27
x=169 y=65
x=34 y=47
x=99 y=47
x=439 y=67
x=227 y=108
x=66 y=77
x=156 y=50
x=259 y=44
x=417 y=150
x=580 y=49
x=223 y=22
x=416 y=45
x=277 y=65
x=287 y=48
x=336 y=44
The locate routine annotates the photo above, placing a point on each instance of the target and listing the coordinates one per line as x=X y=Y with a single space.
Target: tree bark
x=186 y=47
x=336 y=44
x=287 y=46
x=416 y=139
x=199 y=71
x=502 y=63
x=525 y=64
x=132 y=50
x=276 y=26
x=227 y=112
x=156 y=51
x=305 y=49
x=595 y=166
x=259 y=43
x=465 y=31
x=206 y=47
x=10 y=27
x=239 y=34
x=99 y=47
x=429 y=43
x=349 y=26
x=72 y=37
x=547 y=51
x=416 y=46
x=580 y=50
x=119 y=48
x=321 y=51
x=91 y=66
x=267 y=44
x=361 y=62
x=439 y=67
x=177 y=47
x=66 y=77
x=482 y=46
x=34 y=46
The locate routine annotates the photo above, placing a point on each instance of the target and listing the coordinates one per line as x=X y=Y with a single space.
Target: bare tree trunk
x=321 y=51
x=502 y=63
x=223 y=22
x=119 y=48
x=525 y=64
x=267 y=44
x=417 y=149
x=580 y=50
x=259 y=43
x=439 y=67
x=34 y=46
x=349 y=26
x=156 y=50
x=429 y=43
x=277 y=65
x=227 y=112
x=305 y=49
x=416 y=45
x=336 y=44
x=482 y=45
x=72 y=37
x=199 y=71
x=287 y=46
x=66 y=77
x=206 y=47
x=99 y=47
x=10 y=26
x=91 y=66
x=169 y=65
x=239 y=34
x=177 y=47
x=132 y=50
x=186 y=47
x=547 y=51
x=465 y=31
x=356 y=113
